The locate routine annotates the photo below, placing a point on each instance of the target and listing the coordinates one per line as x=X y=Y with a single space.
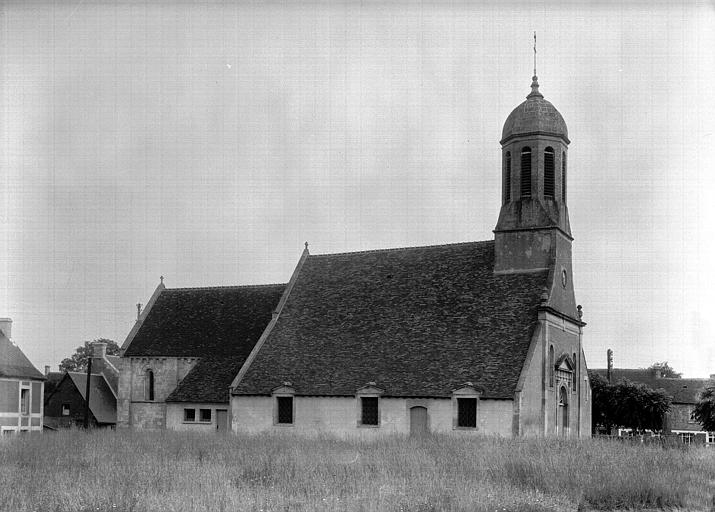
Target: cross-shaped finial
x=306 y=245
x=534 y=52
x=161 y=279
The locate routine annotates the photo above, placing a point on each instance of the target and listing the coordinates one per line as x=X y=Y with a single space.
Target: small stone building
x=21 y=387
x=185 y=349
x=65 y=406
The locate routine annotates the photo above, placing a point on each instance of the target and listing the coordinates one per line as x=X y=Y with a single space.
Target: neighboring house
x=21 y=387
x=65 y=407
x=684 y=394
x=185 y=349
x=476 y=337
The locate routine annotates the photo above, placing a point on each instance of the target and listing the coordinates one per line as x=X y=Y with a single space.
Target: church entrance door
x=418 y=421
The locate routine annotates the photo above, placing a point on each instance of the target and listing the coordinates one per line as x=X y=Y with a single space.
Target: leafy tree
x=77 y=362
x=704 y=412
x=665 y=370
x=628 y=405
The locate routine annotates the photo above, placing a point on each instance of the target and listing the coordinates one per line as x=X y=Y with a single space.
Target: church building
x=474 y=337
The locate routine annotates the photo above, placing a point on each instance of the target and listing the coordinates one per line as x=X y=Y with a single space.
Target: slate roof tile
x=417 y=321
x=219 y=325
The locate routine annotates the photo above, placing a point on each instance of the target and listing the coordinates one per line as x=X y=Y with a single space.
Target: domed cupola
x=534 y=116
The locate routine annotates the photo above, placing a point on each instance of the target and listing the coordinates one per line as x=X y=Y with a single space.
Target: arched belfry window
x=551 y=366
x=563 y=176
x=149 y=385
x=549 y=180
x=507 y=177
x=525 y=187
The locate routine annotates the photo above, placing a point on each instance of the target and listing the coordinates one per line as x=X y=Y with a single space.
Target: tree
x=628 y=405
x=77 y=362
x=704 y=412
x=665 y=370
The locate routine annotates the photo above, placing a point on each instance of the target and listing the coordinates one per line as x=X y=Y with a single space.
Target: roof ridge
x=396 y=249
x=227 y=287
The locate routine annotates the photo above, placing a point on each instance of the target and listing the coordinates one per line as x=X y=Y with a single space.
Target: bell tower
x=533 y=231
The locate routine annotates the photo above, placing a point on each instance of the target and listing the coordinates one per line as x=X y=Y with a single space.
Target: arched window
x=149 y=385
x=575 y=372
x=551 y=366
x=549 y=172
x=526 y=172
x=563 y=176
x=507 y=177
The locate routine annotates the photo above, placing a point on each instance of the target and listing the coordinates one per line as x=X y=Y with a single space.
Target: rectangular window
x=285 y=410
x=686 y=437
x=189 y=414
x=205 y=415
x=25 y=401
x=370 y=413
x=467 y=412
x=66 y=409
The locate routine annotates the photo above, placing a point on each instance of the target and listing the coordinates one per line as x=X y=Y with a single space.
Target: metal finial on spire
x=534 y=52
x=161 y=279
x=534 y=79
x=306 y=245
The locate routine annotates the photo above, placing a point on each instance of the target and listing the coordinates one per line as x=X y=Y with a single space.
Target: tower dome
x=534 y=116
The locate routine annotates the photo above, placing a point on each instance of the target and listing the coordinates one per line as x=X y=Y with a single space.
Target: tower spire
x=534 y=79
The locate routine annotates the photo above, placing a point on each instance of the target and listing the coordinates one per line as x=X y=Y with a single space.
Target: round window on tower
x=564 y=277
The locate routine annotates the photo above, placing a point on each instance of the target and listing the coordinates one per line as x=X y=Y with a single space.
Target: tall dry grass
x=170 y=471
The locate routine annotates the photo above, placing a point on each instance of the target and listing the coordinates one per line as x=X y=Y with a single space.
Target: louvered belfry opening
x=507 y=177
x=549 y=179
x=525 y=188
x=563 y=176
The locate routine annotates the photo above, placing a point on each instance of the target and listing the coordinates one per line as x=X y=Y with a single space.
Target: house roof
x=102 y=402
x=14 y=363
x=199 y=322
x=683 y=391
x=418 y=321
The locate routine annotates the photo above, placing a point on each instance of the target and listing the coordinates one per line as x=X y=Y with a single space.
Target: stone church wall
x=339 y=416
x=133 y=407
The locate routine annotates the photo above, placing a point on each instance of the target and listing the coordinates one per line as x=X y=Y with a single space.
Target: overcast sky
x=206 y=141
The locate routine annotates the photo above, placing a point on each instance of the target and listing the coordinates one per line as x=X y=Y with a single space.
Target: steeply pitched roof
x=13 y=363
x=683 y=391
x=102 y=402
x=208 y=380
x=419 y=321
x=199 y=322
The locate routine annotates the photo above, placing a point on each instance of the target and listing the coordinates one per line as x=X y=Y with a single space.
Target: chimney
x=99 y=350
x=47 y=370
x=6 y=327
x=609 y=364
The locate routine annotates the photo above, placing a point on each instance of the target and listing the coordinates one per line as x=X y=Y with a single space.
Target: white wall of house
x=21 y=405
x=176 y=417
x=340 y=416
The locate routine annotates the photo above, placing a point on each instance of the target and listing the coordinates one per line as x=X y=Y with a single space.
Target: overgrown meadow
x=169 y=471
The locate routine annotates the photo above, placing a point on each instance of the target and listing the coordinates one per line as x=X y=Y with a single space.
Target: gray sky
x=206 y=141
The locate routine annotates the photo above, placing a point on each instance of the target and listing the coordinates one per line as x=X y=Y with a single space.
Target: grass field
x=169 y=471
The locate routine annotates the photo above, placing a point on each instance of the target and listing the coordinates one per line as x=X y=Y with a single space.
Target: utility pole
x=86 y=392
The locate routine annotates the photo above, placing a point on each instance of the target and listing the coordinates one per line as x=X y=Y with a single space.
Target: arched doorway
x=562 y=420
x=418 y=421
